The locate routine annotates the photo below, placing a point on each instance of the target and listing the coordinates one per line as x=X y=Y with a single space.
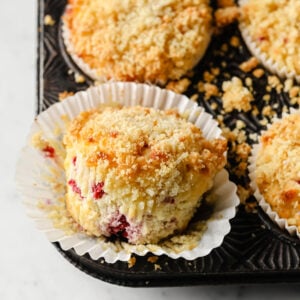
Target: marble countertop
x=30 y=267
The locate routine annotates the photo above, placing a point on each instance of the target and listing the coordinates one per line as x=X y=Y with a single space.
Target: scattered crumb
x=263 y=122
x=224 y=48
x=258 y=73
x=295 y=100
x=251 y=207
x=268 y=111
x=266 y=97
x=249 y=65
x=240 y=124
x=208 y=89
x=194 y=97
x=248 y=82
x=236 y=96
x=208 y=77
x=253 y=137
x=214 y=105
x=152 y=259
x=288 y=84
x=179 y=86
x=234 y=41
x=65 y=94
x=227 y=15
x=274 y=82
x=131 y=262
x=79 y=78
x=48 y=20
x=224 y=64
x=157 y=267
x=254 y=111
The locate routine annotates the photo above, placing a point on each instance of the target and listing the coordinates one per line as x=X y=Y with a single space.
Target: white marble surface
x=30 y=267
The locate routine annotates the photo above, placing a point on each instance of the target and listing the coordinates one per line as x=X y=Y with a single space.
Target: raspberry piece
x=49 y=151
x=74 y=159
x=97 y=190
x=75 y=187
x=169 y=200
x=118 y=226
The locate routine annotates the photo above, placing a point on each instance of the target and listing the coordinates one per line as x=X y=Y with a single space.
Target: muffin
x=277 y=168
x=145 y=41
x=271 y=31
x=137 y=172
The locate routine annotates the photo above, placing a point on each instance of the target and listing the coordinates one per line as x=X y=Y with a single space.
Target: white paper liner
x=266 y=61
x=33 y=166
x=282 y=223
x=92 y=73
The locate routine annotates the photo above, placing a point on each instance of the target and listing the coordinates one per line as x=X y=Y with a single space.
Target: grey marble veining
x=30 y=267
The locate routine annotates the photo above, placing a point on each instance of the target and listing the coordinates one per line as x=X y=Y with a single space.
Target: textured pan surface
x=255 y=250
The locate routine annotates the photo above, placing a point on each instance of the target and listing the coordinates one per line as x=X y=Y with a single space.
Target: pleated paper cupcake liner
x=41 y=180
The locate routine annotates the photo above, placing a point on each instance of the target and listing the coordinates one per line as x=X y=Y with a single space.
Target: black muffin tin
x=255 y=250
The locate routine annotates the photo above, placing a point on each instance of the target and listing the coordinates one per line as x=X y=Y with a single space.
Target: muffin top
x=143 y=146
x=273 y=26
x=138 y=40
x=278 y=168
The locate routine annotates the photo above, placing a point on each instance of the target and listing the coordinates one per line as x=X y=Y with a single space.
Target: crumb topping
x=139 y=40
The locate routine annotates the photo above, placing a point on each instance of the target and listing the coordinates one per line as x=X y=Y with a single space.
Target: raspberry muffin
x=145 y=41
x=137 y=172
x=271 y=31
x=277 y=168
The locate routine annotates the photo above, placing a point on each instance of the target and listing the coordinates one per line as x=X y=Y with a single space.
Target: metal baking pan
x=255 y=251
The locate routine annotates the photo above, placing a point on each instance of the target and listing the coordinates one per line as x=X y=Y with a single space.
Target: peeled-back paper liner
x=33 y=167
x=266 y=61
x=92 y=73
x=282 y=223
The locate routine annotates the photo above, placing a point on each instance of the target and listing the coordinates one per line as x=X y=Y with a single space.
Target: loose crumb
x=235 y=41
x=65 y=94
x=236 y=96
x=179 y=86
x=249 y=65
x=294 y=91
x=208 y=77
x=152 y=259
x=194 y=97
x=208 y=89
x=79 y=78
x=251 y=207
x=268 y=111
x=48 y=20
x=131 y=262
x=274 y=82
x=258 y=73
x=266 y=97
